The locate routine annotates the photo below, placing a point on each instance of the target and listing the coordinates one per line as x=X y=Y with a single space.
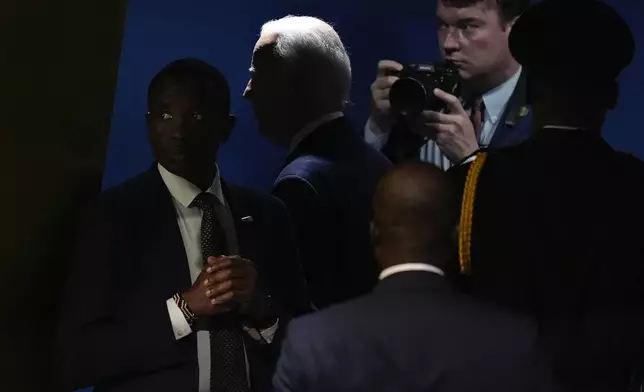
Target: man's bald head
x=415 y=212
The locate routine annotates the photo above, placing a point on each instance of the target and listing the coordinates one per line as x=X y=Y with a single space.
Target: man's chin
x=179 y=167
x=464 y=74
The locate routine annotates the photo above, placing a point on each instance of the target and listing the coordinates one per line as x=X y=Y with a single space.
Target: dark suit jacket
x=327 y=185
x=515 y=127
x=413 y=334
x=557 y=234
x=115 y=331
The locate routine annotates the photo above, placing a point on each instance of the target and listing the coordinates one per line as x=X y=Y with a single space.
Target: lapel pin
x=524 y=111
x=247 y=219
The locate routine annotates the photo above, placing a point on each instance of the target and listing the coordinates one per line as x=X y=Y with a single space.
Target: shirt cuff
x=265 y=335
x=374 y=135
x=180 y=325
x=470 y=158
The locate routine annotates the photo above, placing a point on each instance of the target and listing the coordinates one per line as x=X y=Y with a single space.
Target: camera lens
x=407 y=95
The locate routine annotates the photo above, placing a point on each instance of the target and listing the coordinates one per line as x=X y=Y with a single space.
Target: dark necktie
x=227 y=356
x=478 y=117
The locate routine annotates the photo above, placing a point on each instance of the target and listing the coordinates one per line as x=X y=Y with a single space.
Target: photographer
x=473 y=36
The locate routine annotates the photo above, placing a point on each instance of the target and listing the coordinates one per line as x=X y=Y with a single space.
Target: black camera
x=413 y=92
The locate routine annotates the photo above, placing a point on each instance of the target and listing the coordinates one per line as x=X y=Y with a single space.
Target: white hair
x=317 y=53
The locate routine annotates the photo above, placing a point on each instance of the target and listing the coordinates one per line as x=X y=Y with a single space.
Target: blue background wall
x=224 y=33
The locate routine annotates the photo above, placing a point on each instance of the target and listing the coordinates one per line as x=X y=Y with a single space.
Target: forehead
x=482 y=10
x=174 y=91
x=187 y=95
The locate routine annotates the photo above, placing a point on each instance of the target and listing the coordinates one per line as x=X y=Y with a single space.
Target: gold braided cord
x=467 y=210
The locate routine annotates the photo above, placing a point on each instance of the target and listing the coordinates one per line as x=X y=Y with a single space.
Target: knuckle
x=225 y=286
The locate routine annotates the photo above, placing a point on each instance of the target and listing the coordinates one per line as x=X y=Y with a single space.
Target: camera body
x=413 y=92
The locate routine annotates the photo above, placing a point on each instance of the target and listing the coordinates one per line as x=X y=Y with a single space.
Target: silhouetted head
x=474 y=35
x=300 y=71
x=416 y=212
x=189 y=118
x=572 y=51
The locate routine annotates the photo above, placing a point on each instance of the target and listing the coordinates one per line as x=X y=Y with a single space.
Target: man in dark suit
x=301 y=77
x=182 y=281
x=552 y=227
x=414 y=332
x=473 y=35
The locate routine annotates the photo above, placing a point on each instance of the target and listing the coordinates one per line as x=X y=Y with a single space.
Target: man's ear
x=374 y=234
x=508 y=25
x=148 y=119
x=612 y=95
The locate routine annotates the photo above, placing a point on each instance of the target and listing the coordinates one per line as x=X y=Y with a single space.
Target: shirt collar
x=184 y=191
x=405 y=267
x=497 y=99
x=312 y=126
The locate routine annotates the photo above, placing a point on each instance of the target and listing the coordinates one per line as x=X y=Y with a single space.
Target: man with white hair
x=300 y=83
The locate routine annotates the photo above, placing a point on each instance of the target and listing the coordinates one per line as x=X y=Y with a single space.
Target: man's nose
x=247 y=91
x=179 y=128
x=450 y=41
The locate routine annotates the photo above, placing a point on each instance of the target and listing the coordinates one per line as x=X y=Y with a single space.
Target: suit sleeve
x=293 y=372
x=284 y=281
x=105 y=334
x=294 y=296
x=310 y=216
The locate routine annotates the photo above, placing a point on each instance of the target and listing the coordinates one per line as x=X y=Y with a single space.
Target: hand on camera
x=224 y=284
x=380 y=105
x=452 y=130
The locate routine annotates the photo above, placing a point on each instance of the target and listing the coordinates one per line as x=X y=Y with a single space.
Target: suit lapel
x=244 y=219
x=164 y=240
x=516 y=124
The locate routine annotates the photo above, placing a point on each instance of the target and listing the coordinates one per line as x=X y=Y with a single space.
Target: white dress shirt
x=310 y=127
x=189 y=220
x=395 y=269
x=495 y=102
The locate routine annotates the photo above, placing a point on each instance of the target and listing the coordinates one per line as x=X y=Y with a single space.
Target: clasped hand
x=225 y=283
